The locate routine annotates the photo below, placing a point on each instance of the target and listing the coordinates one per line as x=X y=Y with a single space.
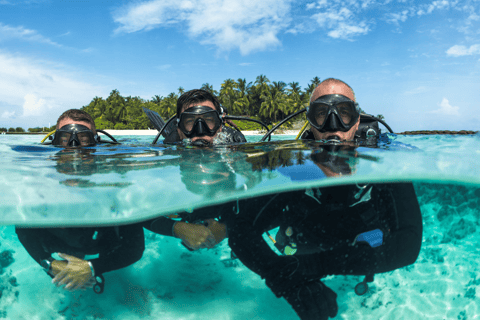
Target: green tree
x=209 y=88
x=228 y=95
x=19 y=129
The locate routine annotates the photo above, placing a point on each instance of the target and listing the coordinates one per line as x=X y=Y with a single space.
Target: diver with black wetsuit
x=199 y=121
x=342 y=230
x=199 y=118
x=87 y=252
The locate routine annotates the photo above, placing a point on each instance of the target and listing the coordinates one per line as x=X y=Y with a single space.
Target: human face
x=208 y=139
x=74 y=133
x=334 y=87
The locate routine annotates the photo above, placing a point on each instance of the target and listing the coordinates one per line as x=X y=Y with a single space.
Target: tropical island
x=264 y=100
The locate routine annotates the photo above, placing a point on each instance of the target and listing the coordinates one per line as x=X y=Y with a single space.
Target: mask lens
x=64 y=138
x=187 y=121
x=85 y=138
x=345 y=111
x=211 y=120
x=320 y=113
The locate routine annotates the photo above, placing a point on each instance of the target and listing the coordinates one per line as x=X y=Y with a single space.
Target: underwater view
x=426 y=186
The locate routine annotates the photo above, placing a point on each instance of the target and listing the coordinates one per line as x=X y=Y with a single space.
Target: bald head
x=332 y=86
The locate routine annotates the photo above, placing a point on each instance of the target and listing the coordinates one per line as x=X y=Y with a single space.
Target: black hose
x=280 y=123
x=114 y=141
x=161 y=131
x=247 y=119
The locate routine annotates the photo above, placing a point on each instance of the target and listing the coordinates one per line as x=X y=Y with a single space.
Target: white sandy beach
x=154 y=132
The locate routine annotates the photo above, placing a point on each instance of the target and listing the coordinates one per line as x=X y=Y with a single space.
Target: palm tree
x=207 y=87
x=280 y=86
x=294 y=88
x=228 y=95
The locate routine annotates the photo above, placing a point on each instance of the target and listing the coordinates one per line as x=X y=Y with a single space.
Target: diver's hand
x=75 y=275
x=57 y=266
x=194 y=236
x=218 y=229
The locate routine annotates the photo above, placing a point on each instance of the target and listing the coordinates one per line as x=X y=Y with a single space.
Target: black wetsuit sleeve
x=120 y=250
x=161 y=225
x=30 y=238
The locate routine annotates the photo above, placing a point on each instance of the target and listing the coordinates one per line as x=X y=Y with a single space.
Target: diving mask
x=333 y=112
x=74 y=135
x=199 y=121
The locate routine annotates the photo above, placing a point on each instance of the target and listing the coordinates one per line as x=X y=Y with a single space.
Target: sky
x=415 y=62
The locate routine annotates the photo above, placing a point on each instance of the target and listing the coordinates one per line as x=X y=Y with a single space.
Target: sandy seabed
x=154 y=132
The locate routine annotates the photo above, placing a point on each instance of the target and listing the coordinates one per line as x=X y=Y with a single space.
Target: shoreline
x=252 y=133
x=155 y=132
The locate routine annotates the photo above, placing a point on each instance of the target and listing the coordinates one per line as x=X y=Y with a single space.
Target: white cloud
x=43 y=90
x=346 y=31
x=458 y=50
x=446 y=109
x=341 y=22
x=8 y=32
x=8 y=115
x=248 y=25
x=396 y=18
x=34 y=106
x=442 y=4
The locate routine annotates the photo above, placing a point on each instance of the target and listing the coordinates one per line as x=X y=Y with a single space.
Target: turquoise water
x=42 y=186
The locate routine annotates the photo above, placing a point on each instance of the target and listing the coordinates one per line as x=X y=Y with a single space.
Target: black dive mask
x=199 y=121
x=74 y=135
x=333 y=112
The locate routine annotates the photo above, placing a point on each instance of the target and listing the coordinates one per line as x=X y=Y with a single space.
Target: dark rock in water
x=460 y=230
x=446 y=211
x=6 y=258
x=470 y=293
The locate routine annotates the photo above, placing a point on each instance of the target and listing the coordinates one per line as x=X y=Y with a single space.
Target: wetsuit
x=323 y=224
x=116 y=247
x=233 y=136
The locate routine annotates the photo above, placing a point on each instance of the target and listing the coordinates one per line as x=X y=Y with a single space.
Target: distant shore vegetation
x=262 y=99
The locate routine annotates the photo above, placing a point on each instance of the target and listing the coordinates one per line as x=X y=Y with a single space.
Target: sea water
x=39 y=186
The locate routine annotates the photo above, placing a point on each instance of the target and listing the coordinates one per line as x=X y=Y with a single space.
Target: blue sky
x=417 y=63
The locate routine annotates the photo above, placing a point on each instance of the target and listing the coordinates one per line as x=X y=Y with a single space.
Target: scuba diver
x=359 y=229
x=76 y=257
x=210 y=173
x=199 y=119
x=76 y=128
